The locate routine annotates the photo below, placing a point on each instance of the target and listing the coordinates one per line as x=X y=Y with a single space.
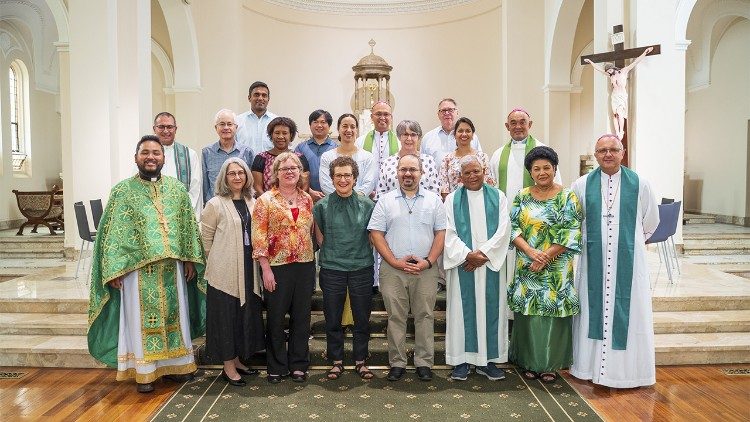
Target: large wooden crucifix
x=618 y=77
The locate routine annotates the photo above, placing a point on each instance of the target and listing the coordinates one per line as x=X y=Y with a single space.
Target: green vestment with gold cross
x=146 y=227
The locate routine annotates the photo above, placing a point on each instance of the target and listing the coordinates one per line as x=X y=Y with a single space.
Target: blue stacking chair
x=669 y=216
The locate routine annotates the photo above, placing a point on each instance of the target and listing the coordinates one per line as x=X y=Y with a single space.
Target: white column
x=557 y=123
x=63 y=55
x=110 y=92
x=522 y=61
x=658 y=121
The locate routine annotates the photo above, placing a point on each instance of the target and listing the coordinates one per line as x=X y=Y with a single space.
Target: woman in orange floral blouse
x=282 y=244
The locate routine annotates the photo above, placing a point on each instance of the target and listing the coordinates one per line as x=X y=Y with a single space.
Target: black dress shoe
x=375 y=290
x=424 y=373
x=396 y=373
x=248 y=371
x=274 y=379
x=298 y=377
x=145 y=388
x=237 y=383
x=178 y=378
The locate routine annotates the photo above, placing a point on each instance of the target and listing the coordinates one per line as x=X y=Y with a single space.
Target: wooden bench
x=41 y=208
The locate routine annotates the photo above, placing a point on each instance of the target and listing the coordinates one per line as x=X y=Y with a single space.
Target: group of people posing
x=499 y=232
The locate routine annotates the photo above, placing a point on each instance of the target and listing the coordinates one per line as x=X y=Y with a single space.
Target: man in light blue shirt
x=407 y=228
x=214 y=155
x=440 y=141
x=320 y=126
x=251 y=125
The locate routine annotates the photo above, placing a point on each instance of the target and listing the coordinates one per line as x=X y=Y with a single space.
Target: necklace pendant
x=409 y=211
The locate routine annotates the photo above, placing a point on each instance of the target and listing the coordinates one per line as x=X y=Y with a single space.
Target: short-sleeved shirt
x=276 y=234
x=312 y=152
x=409 y=224
x=263 y=164
x=438 y=143
x=213 y=158
x=388 y=179
x=343 y=222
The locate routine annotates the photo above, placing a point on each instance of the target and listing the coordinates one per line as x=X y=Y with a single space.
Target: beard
x=150 y=174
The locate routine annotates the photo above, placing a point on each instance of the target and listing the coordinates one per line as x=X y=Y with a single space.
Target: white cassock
x=514 y=185
x=130 y=362
x=593 y=359
x=454 y=255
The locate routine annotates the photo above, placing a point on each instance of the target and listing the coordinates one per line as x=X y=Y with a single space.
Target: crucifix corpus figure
x=618 y=75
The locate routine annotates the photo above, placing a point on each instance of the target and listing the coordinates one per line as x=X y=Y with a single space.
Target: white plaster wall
x=716 y=128
x=45 y=139
x=307 y=64
x=158 y=98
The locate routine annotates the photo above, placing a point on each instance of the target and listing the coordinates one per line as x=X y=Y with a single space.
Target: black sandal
x=530 y=375
x=334 y=375
x=365 y=373
x=548 y=377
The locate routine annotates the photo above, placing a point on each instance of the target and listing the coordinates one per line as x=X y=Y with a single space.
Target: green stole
x=182 y=164
x=392 y=142
x=466 y=279
x=629 y=187
x=502 y=167
x=146 y=227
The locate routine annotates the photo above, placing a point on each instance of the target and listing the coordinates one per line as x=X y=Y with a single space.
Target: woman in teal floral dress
x=546 y=230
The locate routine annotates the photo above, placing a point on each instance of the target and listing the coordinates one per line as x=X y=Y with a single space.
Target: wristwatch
x=428 y=261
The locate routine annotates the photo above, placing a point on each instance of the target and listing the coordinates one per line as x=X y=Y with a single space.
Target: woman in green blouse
x=346 y=264
x=546 y=230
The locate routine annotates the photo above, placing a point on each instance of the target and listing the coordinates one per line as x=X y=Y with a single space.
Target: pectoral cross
x=618 y=56
x=609 y=217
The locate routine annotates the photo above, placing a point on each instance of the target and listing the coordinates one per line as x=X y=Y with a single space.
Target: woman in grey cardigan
x=234 y=324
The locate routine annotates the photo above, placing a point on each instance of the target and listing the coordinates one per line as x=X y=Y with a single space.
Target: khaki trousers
x=401 y=292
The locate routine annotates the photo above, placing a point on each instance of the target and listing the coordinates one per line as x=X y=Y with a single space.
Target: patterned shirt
x=549 y=292
x=275 y=233
x=263 y=164
x=312 y=152
x=388 y=175
x=450 y=172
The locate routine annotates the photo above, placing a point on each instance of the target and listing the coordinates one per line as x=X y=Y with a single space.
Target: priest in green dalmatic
x=507 y=167
x=147 y=296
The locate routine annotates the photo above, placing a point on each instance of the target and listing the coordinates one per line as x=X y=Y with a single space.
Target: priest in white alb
x=507 y=167
x=613 y=336
x=476 y=244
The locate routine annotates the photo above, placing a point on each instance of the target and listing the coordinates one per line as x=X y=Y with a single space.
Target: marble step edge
x=33 y=239
x=30 y=253
x=700 y=303
x=692 y=245
x=680 y=322
x=717 y=251
x=701 y=342
x=715 y=236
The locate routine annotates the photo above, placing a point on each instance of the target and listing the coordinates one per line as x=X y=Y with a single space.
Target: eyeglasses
x=604 y=151
x=233 y=174
x=409 y=170
x=343 y=176
x=381 y=114
x=447 y=110
x=166 y=127
x=288 y=169
x=225 y=124
x=410 y=135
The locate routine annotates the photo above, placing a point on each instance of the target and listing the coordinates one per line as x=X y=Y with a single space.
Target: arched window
x=18 y=92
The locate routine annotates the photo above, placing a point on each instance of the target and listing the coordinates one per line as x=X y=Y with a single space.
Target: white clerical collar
x=521 y=142
x=616 y=175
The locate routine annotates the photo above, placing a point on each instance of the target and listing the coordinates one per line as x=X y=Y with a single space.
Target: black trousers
x=292 y=296
x=334 y=284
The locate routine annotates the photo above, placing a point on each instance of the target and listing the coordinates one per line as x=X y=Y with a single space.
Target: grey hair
x=468 y=159
x=222 y=188
x=410 y=125
x=613 y=136
x=223 y=111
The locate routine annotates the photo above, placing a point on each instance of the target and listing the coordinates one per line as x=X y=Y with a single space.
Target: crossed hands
x=540 y=259
x=474 y=260
x=411 y=264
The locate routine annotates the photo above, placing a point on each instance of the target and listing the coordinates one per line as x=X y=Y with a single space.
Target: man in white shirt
x=381 y=141
x=440 y=141
x=179 y=160
x=252 y=124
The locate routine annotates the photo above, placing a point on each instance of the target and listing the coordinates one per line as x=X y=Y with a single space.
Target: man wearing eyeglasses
x=382 y=142
x=213 y=156
x=613 y=336
x=407 y=228
x=440 y=141
x=179 y=160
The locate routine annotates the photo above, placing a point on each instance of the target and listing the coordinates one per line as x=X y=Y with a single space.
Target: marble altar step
x=690 y=218
x=46 y=324
x=32 y=242
x=701 y=322
x=46 y=351
x=21 y=253
x=702 y=348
